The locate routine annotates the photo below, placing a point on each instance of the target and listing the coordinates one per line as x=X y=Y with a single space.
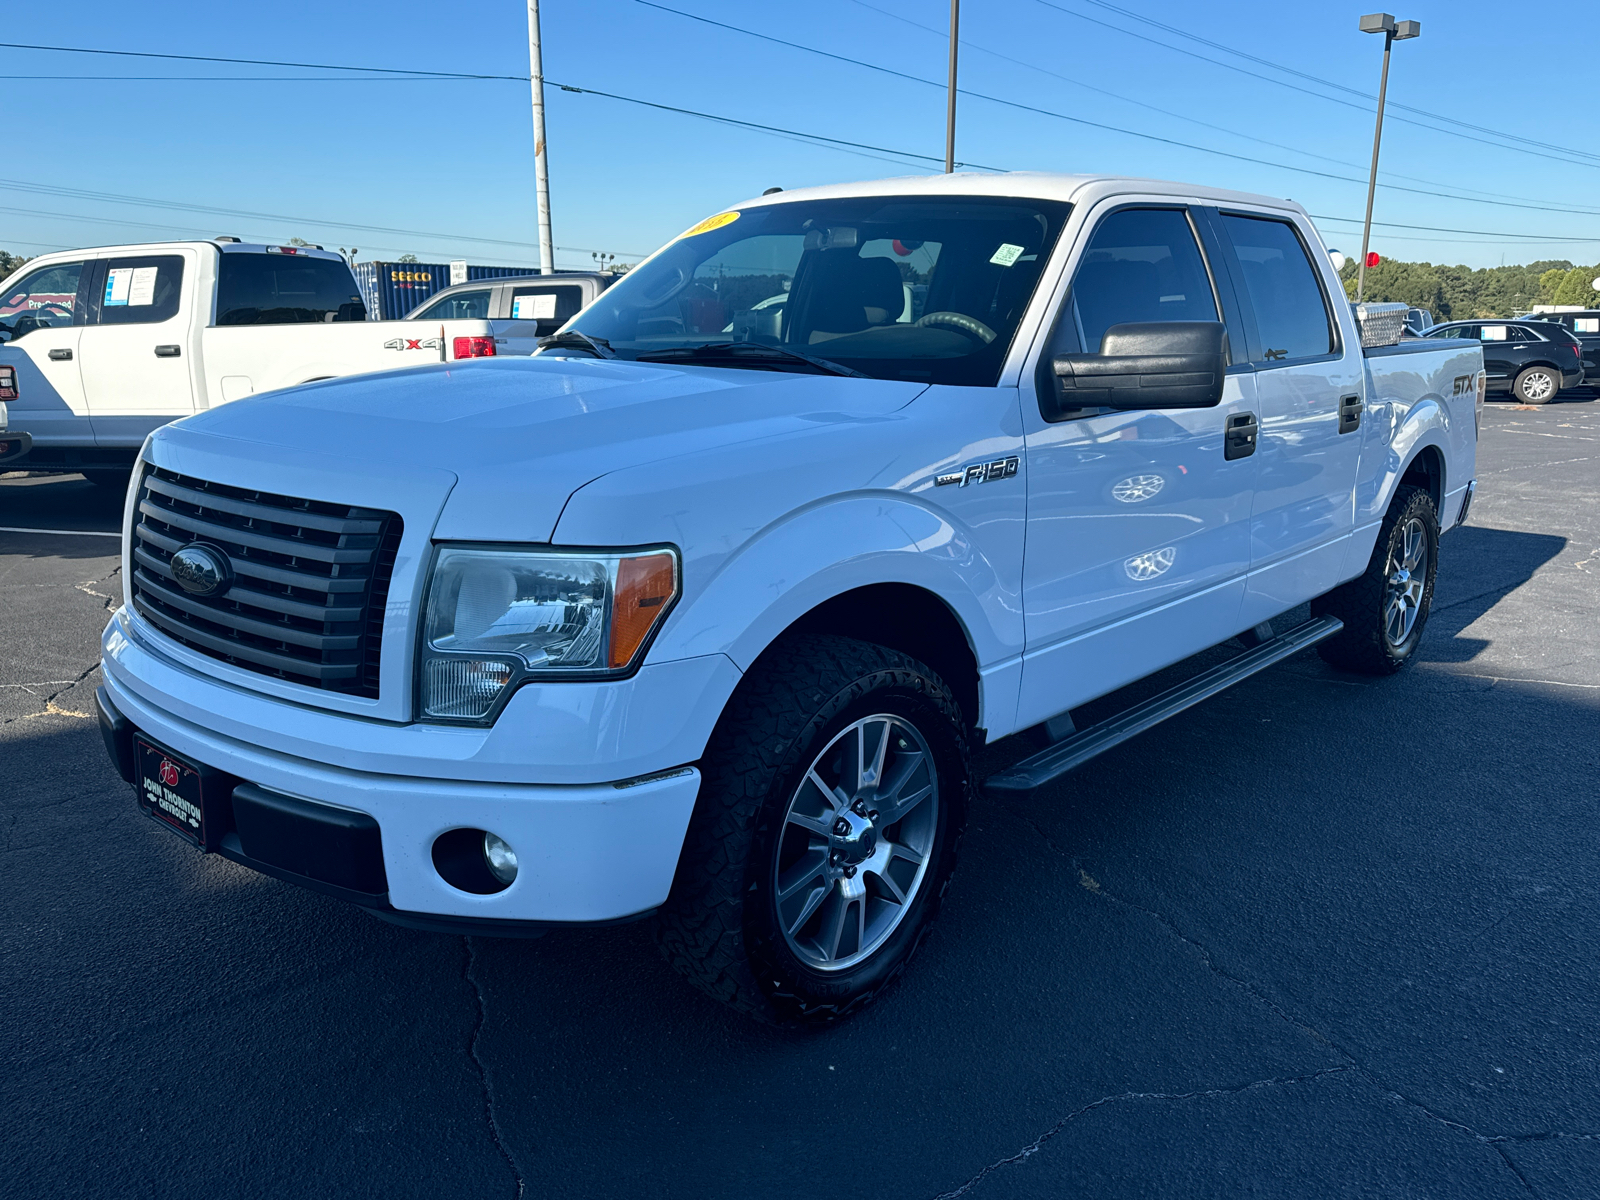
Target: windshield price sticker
x=710 y=223
x=1006 y=255
x=1494 y=333
x=130 y=287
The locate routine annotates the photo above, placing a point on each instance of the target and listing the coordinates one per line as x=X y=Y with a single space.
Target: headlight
x=497 y=617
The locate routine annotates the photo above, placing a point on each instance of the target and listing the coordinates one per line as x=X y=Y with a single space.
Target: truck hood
x=520 y=435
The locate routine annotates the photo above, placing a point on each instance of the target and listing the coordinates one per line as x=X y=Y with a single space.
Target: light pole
x=1393 y=31
x=950 y=109
x=541 y=173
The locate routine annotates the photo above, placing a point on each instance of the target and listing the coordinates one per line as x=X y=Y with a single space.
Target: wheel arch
x=910 y=619
x=1426 y=469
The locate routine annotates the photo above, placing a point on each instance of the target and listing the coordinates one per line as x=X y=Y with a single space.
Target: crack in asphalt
x=1091 y=884
x=1037 y=1144
x=480 y=1016
x=51 y=709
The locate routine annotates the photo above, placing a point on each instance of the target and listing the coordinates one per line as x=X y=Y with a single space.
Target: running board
x=1028 y=776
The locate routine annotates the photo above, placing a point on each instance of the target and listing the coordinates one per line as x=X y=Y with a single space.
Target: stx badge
x=1000 y=468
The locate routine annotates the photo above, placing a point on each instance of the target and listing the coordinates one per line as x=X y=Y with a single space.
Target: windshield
x=930 y=290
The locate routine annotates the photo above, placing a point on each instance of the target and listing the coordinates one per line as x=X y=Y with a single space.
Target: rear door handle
x=168 y=351
x=1239 y=437
x=61 y=356
x=1350 y=413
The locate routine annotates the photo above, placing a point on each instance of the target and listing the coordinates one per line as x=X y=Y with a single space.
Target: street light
x=1393 y=31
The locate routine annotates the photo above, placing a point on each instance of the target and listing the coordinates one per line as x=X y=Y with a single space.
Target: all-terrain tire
x=1367 y=644
x=720 y=927
x=1536 y=385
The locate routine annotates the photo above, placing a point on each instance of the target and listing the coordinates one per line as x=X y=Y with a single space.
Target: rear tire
x=1385 y=609
x=778 y=908
x=1536 y=385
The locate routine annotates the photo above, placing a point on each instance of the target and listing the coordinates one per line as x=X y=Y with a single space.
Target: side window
x=1291 y=314
x=141 y=291
x=1494 y=333
x=1141 y=264
x=472 y=306
x=548 y=303
x=42 y=299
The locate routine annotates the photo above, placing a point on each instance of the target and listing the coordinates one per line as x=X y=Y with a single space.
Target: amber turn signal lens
x=646 y=587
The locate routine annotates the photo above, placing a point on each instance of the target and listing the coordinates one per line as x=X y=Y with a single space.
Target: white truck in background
x=99 y=347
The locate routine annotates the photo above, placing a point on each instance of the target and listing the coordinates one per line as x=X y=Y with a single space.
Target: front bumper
x=588 y=852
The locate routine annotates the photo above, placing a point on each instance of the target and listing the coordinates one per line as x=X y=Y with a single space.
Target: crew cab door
x=1138 y=521
x=41 y=319
x=1310 y=383
x=137 y=346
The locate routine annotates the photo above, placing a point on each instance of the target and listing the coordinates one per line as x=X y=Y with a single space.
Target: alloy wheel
x=1407 y=572
x=856 y=842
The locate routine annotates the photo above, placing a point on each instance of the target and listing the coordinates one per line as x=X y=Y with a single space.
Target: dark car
x=1533 y=360
x=1585 y=326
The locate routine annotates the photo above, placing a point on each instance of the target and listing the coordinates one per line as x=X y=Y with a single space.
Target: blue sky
x=451 y=160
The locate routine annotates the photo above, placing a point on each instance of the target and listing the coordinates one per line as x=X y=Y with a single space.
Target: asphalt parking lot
x=1321 y=936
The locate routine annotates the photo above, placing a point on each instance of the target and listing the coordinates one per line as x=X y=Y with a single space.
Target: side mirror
x=1159 y=364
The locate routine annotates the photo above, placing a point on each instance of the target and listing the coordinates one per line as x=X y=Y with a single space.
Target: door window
x=469 y=306
x=550 y=303
x=141 y=291
x=42 y=299
x=1142 y=264
x=1291 y=313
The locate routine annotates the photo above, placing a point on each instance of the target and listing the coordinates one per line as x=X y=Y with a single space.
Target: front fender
x=834 y=547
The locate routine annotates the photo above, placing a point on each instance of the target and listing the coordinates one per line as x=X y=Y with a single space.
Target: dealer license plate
x=171 y=790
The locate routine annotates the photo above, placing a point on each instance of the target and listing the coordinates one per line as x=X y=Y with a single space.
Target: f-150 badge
x=988 y=472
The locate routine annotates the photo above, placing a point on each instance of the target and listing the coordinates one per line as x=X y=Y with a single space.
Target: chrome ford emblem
x=201 y=570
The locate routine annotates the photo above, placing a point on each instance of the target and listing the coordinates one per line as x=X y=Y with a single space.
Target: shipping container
x=390 y=290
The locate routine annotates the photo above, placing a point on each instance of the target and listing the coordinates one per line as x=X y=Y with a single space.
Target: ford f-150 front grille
x=302 y=588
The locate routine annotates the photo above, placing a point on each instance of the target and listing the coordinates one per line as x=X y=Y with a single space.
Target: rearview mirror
x=1158 y=364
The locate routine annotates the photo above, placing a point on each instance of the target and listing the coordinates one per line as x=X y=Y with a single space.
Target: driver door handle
x=1239 y=436
x=61 y=356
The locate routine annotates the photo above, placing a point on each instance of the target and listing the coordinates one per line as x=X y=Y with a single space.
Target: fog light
x=502 y=859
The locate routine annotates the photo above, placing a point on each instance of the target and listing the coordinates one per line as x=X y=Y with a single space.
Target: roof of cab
x=1031 y=185
x=198 y=244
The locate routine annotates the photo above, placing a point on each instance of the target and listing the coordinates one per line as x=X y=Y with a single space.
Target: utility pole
x=1393 y=31
x=950 y=111
x=541 y=166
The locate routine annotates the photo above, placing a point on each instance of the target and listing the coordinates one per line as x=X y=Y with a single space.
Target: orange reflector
x=645 y=590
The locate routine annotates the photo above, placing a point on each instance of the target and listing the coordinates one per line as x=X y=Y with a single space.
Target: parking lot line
x=67 y=532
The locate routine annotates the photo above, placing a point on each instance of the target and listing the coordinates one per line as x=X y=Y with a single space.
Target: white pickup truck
x=102 y=346
x=698 y=614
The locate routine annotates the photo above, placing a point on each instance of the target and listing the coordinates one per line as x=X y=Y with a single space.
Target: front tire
x=1536 y=385
x=1385 y=609
x=834 y=792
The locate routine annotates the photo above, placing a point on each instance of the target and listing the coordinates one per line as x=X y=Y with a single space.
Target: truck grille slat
x=312 y=579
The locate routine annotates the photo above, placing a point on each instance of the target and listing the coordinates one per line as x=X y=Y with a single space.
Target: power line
x=256 y=62
x=1152 y=137
x=941 y=33
x=1307 y=91
x=792 y=133
x=47 y=189
x=1194 y=37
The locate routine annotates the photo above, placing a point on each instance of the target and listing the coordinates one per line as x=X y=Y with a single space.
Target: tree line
x=1461 y=293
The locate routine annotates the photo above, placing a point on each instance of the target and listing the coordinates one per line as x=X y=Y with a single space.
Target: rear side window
x=463 y=306
x=42 y=299
x=559 y=303
x=1291 y=314
x=1141 y=264
x=141 y=291
x=272 y=289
